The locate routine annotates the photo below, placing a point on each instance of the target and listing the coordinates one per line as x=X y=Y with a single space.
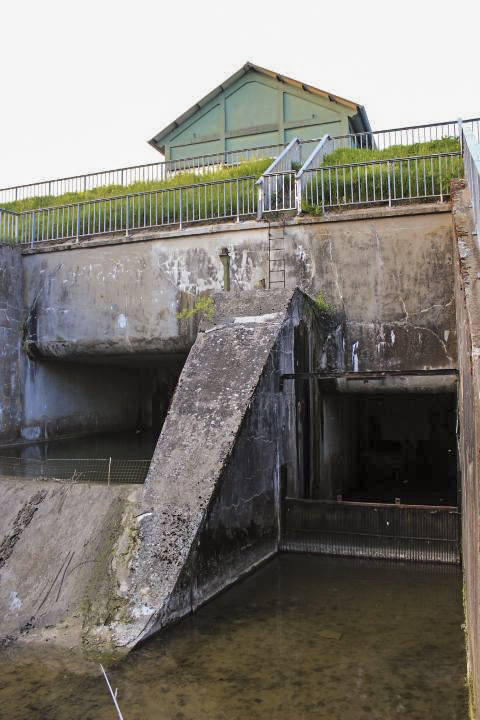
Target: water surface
x=304 y=637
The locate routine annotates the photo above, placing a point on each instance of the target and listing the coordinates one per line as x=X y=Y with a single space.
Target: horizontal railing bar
x=176 y=164
x=367 y=505
x=383 y=161
x=143 y=193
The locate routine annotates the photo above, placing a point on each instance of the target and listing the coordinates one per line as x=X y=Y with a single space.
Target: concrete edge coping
x=153 y=234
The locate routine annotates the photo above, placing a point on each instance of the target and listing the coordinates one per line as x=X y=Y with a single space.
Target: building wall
x=256 y=111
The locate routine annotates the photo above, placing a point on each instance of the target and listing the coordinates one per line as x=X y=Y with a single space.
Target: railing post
x=260 y=199
x=460 y=133
x=78 y=221
x=238 y=203
x=389 y=187
x=180 y=209
x=34 y=221
x=298 y=195
x=127 y=214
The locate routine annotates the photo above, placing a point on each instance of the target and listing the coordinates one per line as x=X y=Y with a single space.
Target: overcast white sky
x=84 y=84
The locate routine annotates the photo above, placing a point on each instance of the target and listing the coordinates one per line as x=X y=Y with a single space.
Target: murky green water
x=305 y=637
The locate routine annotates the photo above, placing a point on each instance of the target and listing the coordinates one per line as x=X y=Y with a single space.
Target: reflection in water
x=305 y=637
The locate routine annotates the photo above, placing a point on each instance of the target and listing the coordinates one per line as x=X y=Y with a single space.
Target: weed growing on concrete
x=203 y=308
x=323 y=305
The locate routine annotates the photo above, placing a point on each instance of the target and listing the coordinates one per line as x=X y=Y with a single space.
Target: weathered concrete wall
x=63 y=399
x=389 y=271
x=467 y=291
x=61 y=552
x=41 y=398
x=11 y=331
x=393 y=278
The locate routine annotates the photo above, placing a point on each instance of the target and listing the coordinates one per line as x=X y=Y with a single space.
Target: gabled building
x=256 y=107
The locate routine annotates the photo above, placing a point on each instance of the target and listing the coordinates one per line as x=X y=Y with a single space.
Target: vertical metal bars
x=200 y=202
x=471 y=157
x=380 y=181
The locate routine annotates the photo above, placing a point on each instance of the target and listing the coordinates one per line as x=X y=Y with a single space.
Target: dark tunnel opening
x=379 y=448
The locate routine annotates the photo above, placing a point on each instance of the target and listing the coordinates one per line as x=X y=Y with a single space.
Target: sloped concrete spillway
x=110 y=566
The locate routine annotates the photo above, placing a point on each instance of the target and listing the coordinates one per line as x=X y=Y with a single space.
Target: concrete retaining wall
x=389 y=271
x=467 y=290
x=11 y=332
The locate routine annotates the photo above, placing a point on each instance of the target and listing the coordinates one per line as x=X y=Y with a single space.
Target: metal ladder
x=276 y=256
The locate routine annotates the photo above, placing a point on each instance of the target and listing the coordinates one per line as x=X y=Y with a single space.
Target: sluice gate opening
x=376 y=468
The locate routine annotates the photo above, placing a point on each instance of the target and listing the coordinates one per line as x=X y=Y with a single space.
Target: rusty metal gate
x=398 y=532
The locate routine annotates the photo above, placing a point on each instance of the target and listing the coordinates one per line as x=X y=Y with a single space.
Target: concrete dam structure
x=321 y=400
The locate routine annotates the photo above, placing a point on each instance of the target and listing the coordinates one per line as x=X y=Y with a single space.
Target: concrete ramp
x=211 y=502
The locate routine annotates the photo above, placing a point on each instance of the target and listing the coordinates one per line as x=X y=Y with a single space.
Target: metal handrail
x=471 y=155
x=205 y=162
x=198 y=202
x=283 y=163
x=360 y=183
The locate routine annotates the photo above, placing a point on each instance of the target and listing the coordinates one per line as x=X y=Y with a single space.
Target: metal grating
x=400 y=532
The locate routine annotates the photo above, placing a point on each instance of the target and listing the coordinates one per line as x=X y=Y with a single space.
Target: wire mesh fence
x=80 y=470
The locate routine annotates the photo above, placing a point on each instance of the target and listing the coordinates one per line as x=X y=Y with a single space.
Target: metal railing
x=409 y=135
x=200 y=202
x=151 y=172
x=207 y=163
x=374 y=530
x=269 y=186
x=9 y=223
x=471 y=158
x=314 y=160
x=380 y=181
x=278 y=192
x=80 y=470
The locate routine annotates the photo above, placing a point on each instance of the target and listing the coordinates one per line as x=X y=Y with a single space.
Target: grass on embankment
x=402 y=179
x=251 y=168
x=344 y=156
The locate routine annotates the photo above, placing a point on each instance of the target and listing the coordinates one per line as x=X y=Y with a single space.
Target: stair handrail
x=283 y=163
x=324 y=147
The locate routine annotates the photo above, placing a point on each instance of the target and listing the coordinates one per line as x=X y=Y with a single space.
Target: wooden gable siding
x=256 y=111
